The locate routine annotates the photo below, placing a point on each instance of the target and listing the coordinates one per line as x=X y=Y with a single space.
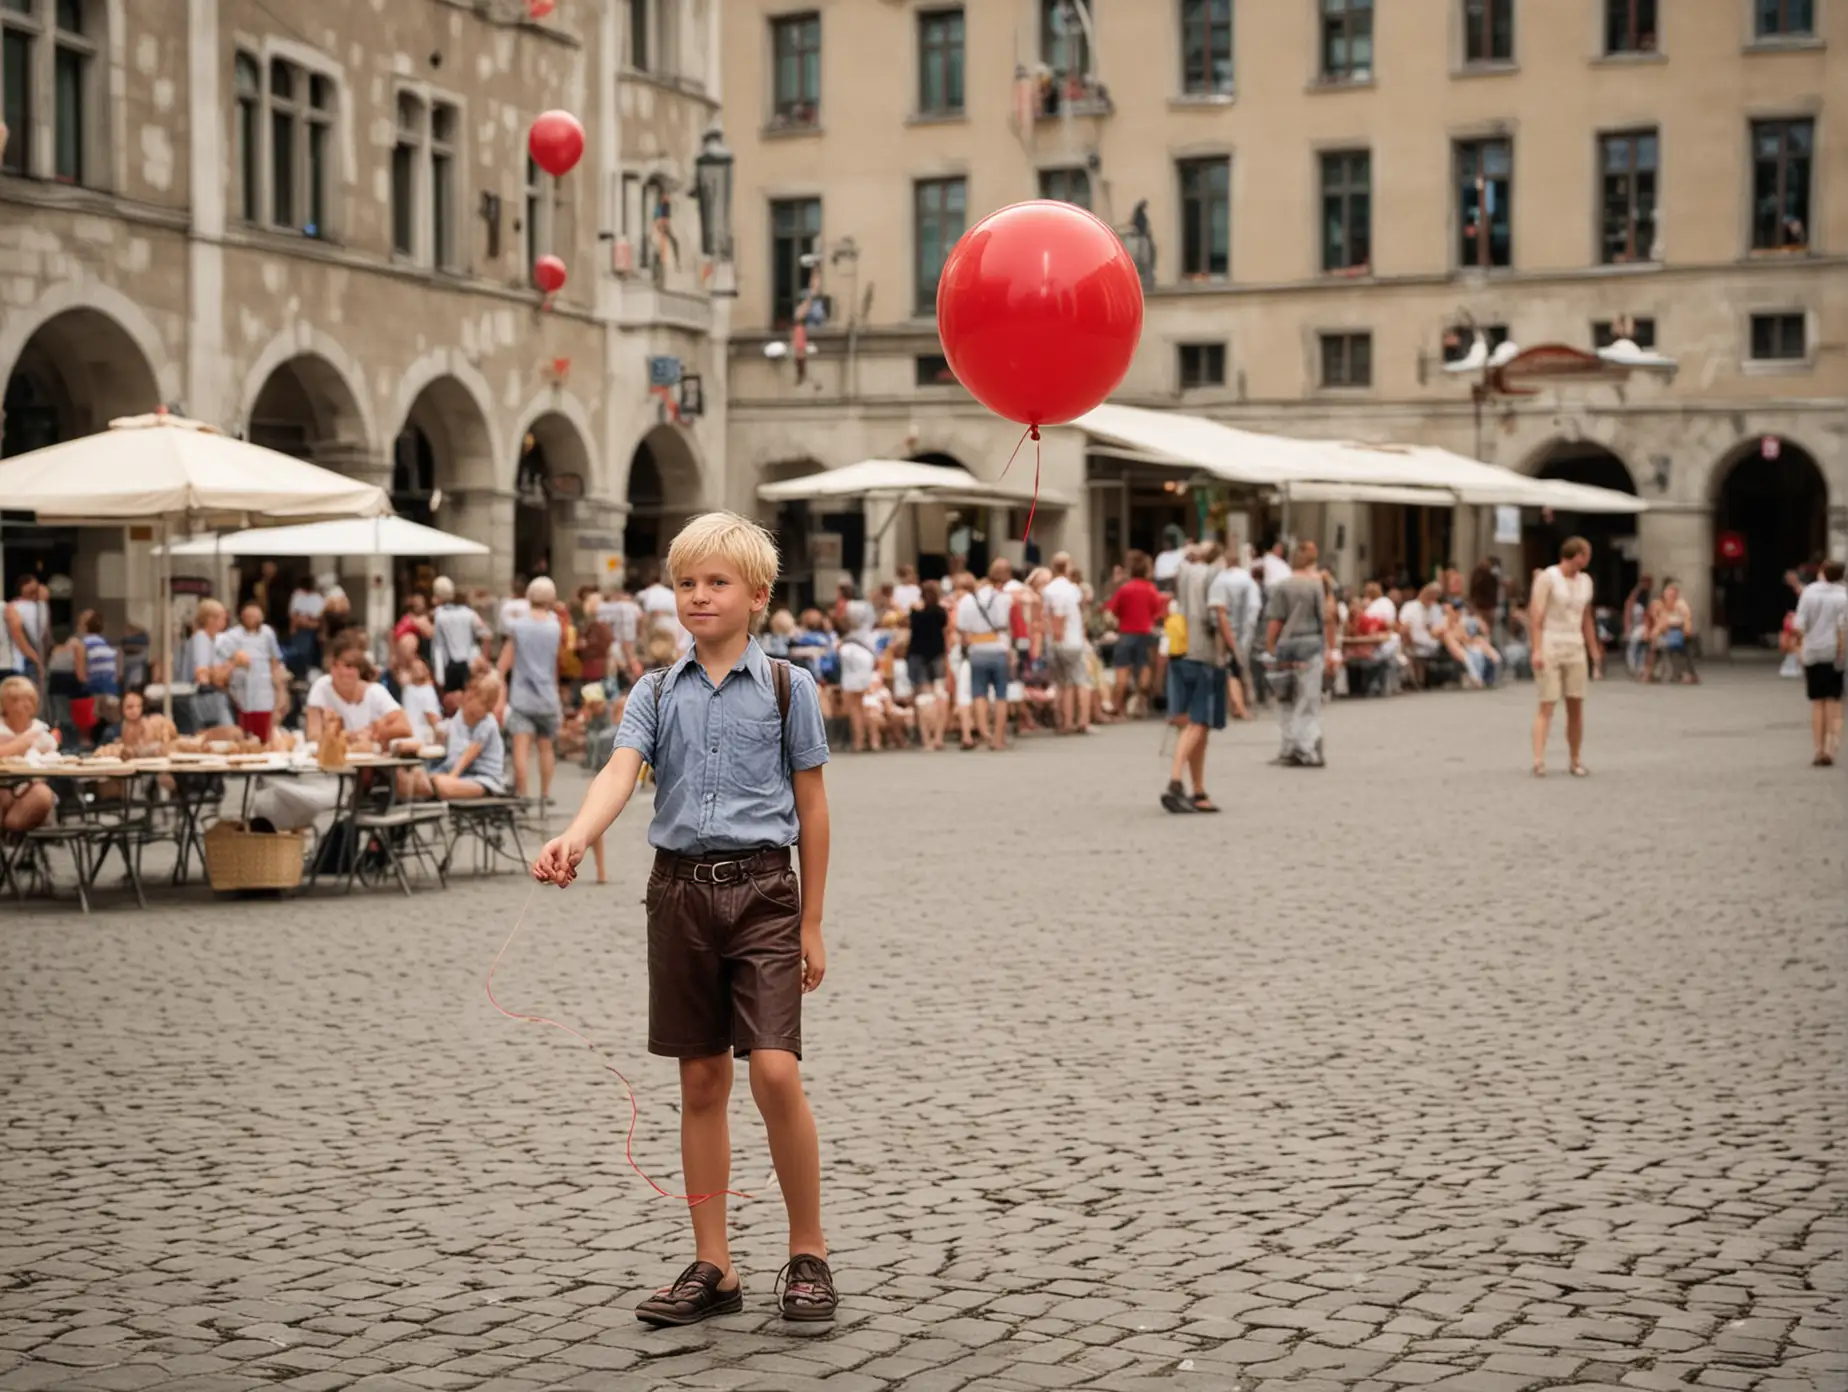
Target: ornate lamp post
x=713 y=176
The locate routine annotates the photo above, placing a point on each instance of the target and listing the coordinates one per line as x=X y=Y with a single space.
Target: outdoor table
x=91 y=832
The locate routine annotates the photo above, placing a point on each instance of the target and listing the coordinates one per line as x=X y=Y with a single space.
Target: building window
x=940 y=62
x=937 y=223
x=1778 y=337
x=1206 y=218
x=1070 y=185
x=1629 y=26
x=18 y=48
x=1347 y=359
x=404 y=163
x=1781 y=184
x=795 y=47
x=538 y=221
x=1628 y=197
x=1485 y=195
x=1605 y=332
x=73 y=65
x=1064 y=45
x=638 y=34
x=444 y=131
x=248 y=80
x=301 y=115
x=1206 y=47
x=795 y=232
x=1347 y=216
x=1488 y=31
x=1459 y=340
x=1347 y=40
x=1202 y=365
x=933 y=370
x=1785 y=19
x=51 y=78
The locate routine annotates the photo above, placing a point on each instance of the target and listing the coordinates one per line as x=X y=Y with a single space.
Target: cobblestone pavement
x=1413 y=1072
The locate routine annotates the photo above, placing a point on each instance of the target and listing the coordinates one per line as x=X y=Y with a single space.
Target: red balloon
x=1039 y=308
x=549 y=274
x=556 y=141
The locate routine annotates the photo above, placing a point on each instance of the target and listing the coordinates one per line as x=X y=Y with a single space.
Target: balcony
x=646 y=306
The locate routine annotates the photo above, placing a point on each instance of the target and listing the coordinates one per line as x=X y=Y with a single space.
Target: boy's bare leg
x=705 y=1155
x=776 y=1084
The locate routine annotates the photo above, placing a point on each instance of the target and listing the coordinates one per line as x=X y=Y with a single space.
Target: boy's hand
x=814 y=957
x=558 y=862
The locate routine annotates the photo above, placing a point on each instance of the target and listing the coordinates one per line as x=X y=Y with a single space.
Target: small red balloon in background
x=539 y=9
x=549 y=274
x=1040 y=309
x=556 y=141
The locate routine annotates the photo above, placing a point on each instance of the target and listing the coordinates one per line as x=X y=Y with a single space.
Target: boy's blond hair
x=725 y=536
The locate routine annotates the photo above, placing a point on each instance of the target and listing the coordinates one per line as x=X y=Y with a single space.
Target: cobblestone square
x=1412 y=1072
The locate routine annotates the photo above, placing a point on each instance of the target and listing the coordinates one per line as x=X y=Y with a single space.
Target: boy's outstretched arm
x=609 y=793
x=812 y=856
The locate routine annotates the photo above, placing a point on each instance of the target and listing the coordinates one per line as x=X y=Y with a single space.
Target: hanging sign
x=1507 y=523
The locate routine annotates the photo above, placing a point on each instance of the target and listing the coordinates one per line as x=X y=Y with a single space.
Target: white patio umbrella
x=346 y=536
x=168 y=470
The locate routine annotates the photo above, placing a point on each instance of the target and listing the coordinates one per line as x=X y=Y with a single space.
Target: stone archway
x=1614 y=566
x=1770 y=494
x=77 y=371
x=443 y=476
x=551 y=476
x=307 y=408
x=664 y=491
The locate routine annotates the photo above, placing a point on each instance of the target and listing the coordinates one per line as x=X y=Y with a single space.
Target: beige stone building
x=315 y=224
x=1336 y=195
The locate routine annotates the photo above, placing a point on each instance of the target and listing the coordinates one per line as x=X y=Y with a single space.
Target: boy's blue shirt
x=717 y=754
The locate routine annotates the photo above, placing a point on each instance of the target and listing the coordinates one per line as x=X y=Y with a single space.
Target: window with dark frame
x=795 y=47
x=301 y=116
x=1488 y=31
x=1206 y=47
x=538 y=220
x=1485 y=194
x=1781 y=158
x=444 y=131
x=1347 y=211
x=1627 y=196
x=1206 y=218
x=1605 y=332
x=283 y=126
x=939 y=208
x=1347 y=40
x=933 y=370
x=638 y=34
x=1201 y=365
x=18 y=53
x=795 y=232
x=940 y=62
x=248 y=81
x=1784 y=19
x=1630 y=26
x=73 y=65
x=1778 y=337
x=404 y=160
x=1347 y=359
x=1461 y=338
x=1071 y=184
x=1064 y=45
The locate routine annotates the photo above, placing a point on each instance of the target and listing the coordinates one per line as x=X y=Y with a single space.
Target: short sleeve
x=380 y=702
x=275 y=648
x=320 y=695
x=637 y=730
x=224 y=648
x=1275 y=610
x=807 y=735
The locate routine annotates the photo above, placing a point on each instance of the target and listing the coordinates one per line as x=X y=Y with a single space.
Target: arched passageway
x=1772 y=501
x=1612 y=536
x=664 y=490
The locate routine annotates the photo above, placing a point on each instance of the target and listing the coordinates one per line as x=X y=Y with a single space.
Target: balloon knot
x=1033 y=432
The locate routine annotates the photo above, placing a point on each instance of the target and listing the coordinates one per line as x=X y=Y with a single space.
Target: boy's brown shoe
x=694 y=1296
x=807 y=1289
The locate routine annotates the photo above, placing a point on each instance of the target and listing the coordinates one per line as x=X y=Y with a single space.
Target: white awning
x=380 y=536
x=907 y=481
x=1367 y=493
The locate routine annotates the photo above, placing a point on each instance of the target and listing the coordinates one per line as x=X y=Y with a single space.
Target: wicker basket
x=238 y=858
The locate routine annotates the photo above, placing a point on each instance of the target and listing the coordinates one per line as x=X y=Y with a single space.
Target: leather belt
x=728 y=867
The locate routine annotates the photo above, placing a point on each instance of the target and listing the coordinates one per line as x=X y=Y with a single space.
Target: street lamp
x=713 y=175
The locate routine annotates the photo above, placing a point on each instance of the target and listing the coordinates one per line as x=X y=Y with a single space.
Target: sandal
x=1539 y=770
x=805 y=1289
x=693 y=1296
x=1174 y=799
x=1203 y=802
x=1580 y=771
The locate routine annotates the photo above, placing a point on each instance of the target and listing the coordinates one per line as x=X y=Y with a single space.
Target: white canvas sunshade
x=148 y=467
x=383 y=536
x=1248 y=457
x=901 y=478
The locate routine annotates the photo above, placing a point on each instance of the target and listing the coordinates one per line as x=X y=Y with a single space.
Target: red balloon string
x=693 y=1200
x=1031 y=432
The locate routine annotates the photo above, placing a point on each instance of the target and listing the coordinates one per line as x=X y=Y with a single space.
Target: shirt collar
x=752 y=660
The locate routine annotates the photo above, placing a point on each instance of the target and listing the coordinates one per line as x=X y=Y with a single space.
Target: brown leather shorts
x=724 y=955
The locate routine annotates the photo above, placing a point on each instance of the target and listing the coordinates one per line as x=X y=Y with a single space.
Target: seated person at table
x=476 y=760
x=423 y=703
x=366 y=710
x=25 y=804
x=142 y=734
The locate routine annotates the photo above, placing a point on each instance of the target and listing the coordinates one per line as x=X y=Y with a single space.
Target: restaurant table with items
x=111 y=804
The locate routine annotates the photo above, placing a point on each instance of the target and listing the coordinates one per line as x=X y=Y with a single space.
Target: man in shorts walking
x=1065 y=619
x=1196 y=681
x=1822 y=620
x=1565 y=639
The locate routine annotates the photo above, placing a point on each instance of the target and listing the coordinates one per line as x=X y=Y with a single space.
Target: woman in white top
x=984 y=621
x=211 y=707
x=23 y=805
x=859 y=658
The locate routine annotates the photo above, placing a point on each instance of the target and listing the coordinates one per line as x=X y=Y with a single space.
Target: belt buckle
x=714 y=869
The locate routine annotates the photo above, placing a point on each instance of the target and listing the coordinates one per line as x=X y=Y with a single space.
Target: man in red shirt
x=1137 y=605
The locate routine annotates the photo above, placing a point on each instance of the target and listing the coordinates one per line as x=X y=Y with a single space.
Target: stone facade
x=239 y=250
x=1691 y=446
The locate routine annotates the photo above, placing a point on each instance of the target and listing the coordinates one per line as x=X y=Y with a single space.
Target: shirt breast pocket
x=753 y=753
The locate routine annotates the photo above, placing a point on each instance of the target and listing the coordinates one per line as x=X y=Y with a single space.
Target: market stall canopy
x=904 y=479
x=1367 y=493
x=149 y=467
x=1247 y=457
x=382 y=536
